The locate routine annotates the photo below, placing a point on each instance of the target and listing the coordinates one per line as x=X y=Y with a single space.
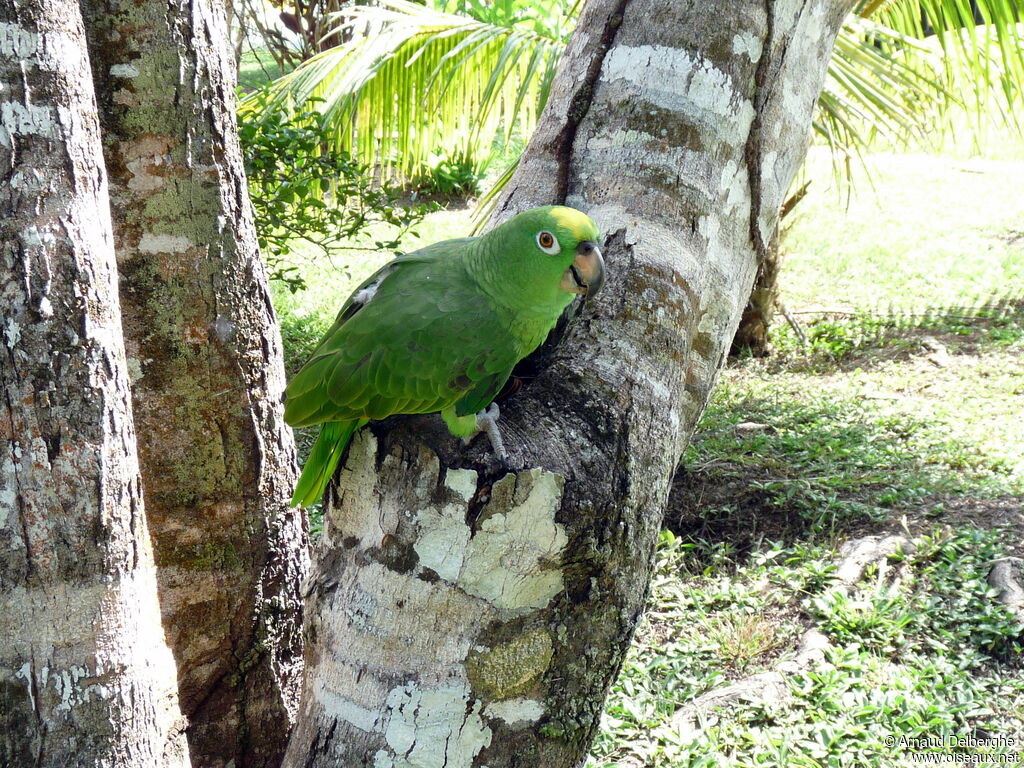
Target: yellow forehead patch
x=576 y=222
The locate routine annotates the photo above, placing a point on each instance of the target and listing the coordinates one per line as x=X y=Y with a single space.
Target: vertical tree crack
x=16 y=476
x=579 y=103
x=768 y=72
x=753 y=153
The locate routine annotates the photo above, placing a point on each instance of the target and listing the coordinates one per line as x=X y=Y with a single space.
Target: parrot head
x=550 y=251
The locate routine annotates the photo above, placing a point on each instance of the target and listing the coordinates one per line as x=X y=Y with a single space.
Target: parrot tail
x=323 y=460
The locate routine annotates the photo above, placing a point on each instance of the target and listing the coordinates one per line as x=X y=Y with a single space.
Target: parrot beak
x=586 y=273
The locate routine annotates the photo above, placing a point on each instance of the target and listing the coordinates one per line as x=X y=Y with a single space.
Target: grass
x=931 y=231
x=930 y=655
x=256 y=68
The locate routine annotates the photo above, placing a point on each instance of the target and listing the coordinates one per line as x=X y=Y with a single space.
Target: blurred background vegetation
x=887 y=395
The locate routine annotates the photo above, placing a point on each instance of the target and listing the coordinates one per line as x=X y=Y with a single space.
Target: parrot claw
x=487 y=421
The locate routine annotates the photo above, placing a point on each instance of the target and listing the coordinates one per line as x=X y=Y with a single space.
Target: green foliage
x=453 y=78
x=299 y=191
x=925 y=655
x=455 y=175
x=443 y=79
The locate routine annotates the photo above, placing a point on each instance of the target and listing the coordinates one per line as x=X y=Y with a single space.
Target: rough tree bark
x=460 y=618
x=86 y=676
x=752 y=334
x=207 y=373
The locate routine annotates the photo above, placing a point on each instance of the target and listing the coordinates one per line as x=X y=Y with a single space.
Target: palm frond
x=415 y=81
x=980 y=45
x=880 y=83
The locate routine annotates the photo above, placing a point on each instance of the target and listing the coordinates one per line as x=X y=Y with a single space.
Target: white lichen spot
x=135 y=372
x=16 y=42
x=442 y=543
x=30 y=236
x=680 y=81
x=735 y=181
x=360 y=512
x=25 y=673
x=66 y=684
x=125 y=69
x=18 y=119
x=432 y=728
x=462 y=481
x=748 y=44
x=154 y=243
x=513 y=560
x=12 y=333
x=27 y=179
x=346 y=709
x=517 y=713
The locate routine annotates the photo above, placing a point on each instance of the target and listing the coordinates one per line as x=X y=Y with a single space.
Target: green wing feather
x=323 y=460
x=425 y=341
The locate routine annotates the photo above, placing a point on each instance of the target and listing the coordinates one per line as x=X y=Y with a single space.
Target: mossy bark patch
x=510 y=669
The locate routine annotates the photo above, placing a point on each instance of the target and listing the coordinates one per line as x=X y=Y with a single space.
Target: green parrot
x=440 y=329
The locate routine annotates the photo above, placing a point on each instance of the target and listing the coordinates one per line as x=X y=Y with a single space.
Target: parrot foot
x=487 y=421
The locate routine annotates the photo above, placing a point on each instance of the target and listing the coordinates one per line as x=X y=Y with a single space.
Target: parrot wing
x=416 y=337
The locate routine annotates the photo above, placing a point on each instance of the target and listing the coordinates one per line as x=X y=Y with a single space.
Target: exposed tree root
x=858 y=554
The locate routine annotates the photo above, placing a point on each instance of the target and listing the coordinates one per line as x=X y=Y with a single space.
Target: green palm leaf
x=459 y=77
x=980 y=48
x=416 y=80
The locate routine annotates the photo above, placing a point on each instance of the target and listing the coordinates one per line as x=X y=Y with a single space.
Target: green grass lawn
x=926 y=231
x=905 y=413
x=256 y=68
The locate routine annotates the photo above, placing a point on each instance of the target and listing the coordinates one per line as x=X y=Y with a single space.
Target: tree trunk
x=207 y=374
x=752 y=335
x=459 y=618
x=86 y=676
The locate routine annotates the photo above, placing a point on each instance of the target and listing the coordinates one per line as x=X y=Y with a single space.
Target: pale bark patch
x=681 y=81
x=158 y=243
x=17 y=119
x=519 y=712
x=512 y=559
x=432 y=728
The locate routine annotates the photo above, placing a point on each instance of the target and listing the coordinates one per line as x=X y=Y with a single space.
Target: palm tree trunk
x=86 y=676
x=207 y=373
x=462 y=617
x=752 y=336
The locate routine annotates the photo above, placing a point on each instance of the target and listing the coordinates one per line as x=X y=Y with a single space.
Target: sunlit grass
x=924 y=231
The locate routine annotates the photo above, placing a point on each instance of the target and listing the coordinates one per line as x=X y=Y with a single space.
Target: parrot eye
x=547 y=243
